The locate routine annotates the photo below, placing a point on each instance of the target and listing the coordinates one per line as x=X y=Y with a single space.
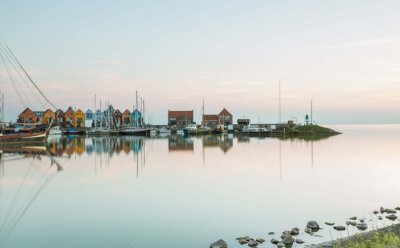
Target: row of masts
x=139 y=107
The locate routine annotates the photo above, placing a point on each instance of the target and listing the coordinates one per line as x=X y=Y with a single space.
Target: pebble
x=353 y=218
x=274 y=241
x=353 y=223
x=260 y=240
x=252 y=243
x=219 y=244
x=391 y=217
x=390 y=211
x=329 y=223
x=313 y=225
x=376 y=212
x=295 y=231
x=299 y=241
x=362 y=226
x=243 y=241
x=339 y=228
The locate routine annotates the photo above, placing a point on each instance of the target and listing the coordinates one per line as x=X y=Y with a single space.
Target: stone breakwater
x=288 y=238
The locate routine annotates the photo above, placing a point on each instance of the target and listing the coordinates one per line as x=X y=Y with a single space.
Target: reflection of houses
x=27 y=116
x=180 y=118
x=127 y=118
x=78 y=119
x=89 y=118
x=224 y=117
x=48 y=116
x=179 y=143
x=69 y=115
x=223 y=142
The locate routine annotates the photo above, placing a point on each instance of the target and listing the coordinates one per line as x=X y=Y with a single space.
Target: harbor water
x=177 y=192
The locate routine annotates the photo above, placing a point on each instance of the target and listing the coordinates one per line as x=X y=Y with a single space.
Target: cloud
x=363 y=43
x=385 y=65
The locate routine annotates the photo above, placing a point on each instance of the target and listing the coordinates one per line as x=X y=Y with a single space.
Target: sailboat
x=21 y=132
x=136 y=127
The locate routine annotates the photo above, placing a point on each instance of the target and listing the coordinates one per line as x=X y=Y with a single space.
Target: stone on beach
x=391 y=217
x=287 y=239
x=295 y=231
x=390 y=211
x=313 y=225
x=260 y=240
x=362 y=226
x=274 y=241
x=339 y=228
x=299 y=241
x=243 y=241
x=376 y=212
x=353 y=223
x=219 y=244
x=329 y=223
x=252 y=243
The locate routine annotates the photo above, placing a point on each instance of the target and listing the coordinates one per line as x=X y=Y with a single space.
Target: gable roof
x=224 y=112
x=25 y=110
x=175 y=114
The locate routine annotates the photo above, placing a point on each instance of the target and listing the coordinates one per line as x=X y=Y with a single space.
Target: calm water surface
x=176 y=192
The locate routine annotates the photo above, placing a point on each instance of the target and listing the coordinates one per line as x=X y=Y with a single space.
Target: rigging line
x=26 y=203
x=30 y=79
x=12 y=81
x=14 y=78
x=28 y=206
x=14 y=72
x=8 y=57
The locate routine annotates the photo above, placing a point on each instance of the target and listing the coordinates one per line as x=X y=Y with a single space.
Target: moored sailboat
x=21 y=132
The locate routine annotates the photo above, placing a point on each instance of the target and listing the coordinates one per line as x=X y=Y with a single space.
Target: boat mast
x=143 y=115
x=311 y=113
x=136 y=111
x=202 y=116
x=280 y=107
x=95 y=111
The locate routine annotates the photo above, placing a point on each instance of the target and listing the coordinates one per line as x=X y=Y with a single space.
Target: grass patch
x=377 y=240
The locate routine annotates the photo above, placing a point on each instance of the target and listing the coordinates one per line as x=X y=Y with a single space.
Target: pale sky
x=345 y=55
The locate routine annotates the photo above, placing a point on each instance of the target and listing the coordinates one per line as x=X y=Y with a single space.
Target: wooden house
x=180 y=118
x=59 y=115
x=69 y=116
x=78 y=119
x=137 y=119
x=127 y=118
x=89 y=118
x=48 y=117
x=225 y=117
x=118 y=118
x=27 y=116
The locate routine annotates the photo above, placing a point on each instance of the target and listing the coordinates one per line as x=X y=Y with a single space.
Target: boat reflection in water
x=25 y=171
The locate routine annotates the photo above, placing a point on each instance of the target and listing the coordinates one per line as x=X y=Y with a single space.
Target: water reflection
x=100 y=165
x=25 y=186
